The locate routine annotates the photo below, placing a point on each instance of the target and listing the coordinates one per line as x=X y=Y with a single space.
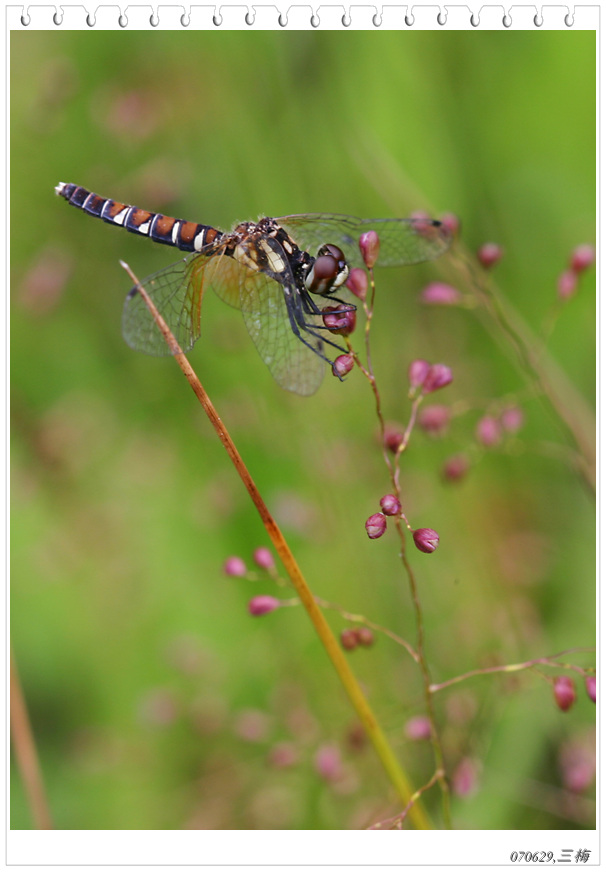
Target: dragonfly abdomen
x=186 y=235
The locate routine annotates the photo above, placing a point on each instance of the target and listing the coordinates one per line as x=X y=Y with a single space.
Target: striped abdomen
x=185 y=235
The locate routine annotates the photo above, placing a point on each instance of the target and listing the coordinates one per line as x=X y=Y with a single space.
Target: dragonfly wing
x=264 y=306
x=403 y=241
x=176 y=292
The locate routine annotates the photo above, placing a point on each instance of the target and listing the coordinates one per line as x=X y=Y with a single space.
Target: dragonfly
x=276 y=271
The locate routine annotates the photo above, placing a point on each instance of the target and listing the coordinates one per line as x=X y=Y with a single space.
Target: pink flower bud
x=489 y=254
x=342 y=365
x=512 y=419
x=434 y=419
x=488 y=431
x=393 y=438
x=567 y=284
x=455 y=467
x=376 y=525
x=283 y=755
x=564 y=692
x=264 y=558
x=349 y=638
x=417 y=372
x=328 y=762
x=252 y=725
x=440 y=294
x=590 y=687
x=439 y=376
x=451 y=222
x=576 y=760
x=390 y=504
x=234 y=566
x=358 y=283
x=262 y=605
x=339 y=320
x=365 y=636
x=418 y=728
x=369 y=247
x=465 y=777
x=426 y=539
x=582 y=258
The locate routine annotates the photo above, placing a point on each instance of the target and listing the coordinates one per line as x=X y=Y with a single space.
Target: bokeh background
x=156 y=701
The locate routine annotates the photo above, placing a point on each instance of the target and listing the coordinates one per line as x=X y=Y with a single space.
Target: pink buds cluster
x=580 y=260
x=377 y=523
x=429 y=377
x=351 y=637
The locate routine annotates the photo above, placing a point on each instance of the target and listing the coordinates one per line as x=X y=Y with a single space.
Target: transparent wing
x=177 y=292
x=293 y=364
x=403 y=240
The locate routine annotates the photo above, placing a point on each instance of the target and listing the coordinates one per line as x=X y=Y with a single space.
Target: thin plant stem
x=26 y=754
x=396 y=821
x=384 y=751
x=394 y=472
x=516 y=667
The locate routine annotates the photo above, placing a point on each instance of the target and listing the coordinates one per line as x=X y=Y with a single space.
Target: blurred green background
x=155 y=700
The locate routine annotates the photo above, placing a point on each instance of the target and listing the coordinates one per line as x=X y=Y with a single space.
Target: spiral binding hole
x=123 y=20
x=217 y=20
x=249 y=18
x=538 y=21
x=474 y=20
x=91 y=20
x=377 y=19
x=409 y=20
x=569 y=19
x=26 y=20
x=282 y=20
x=315 y=20
x=154 y=20
x=346 y=21
x=58 y=19
x=507 y=21
x=185 y=20
x=442 y=17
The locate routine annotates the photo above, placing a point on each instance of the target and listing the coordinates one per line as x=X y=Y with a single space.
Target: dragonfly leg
x=311 y=307
x=299 y=325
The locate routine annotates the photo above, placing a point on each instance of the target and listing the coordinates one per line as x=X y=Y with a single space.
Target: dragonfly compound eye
x=335 y=251
x=327 y=273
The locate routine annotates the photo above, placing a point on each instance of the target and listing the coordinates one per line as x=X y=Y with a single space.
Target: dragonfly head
x=328 y=271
